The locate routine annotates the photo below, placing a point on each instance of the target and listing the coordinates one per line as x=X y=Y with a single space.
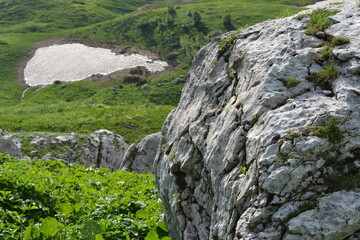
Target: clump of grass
x=324 y=54
x=324 y=77
x=225 y=45
x=302 y=16
x=172 y=156
x=319 y=20
x=3 y=43
x=330 y=130
x=329 y=46
x=338 y=41
x=336 y=3
x=329 y=72
x=291 y=82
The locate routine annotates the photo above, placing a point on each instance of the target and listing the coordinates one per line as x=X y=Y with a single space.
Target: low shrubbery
x=49 y=200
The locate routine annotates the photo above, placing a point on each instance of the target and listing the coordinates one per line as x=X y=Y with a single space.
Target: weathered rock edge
x=239 y=157
x=101 y=148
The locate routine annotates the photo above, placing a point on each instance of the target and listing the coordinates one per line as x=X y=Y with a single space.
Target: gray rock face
x=8 y=146
x=140 y=157
x=247 y=155
x=102 y=148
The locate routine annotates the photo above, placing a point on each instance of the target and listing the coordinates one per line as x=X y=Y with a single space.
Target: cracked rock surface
x=140 y=157
x=101 y=148
x=247 y=155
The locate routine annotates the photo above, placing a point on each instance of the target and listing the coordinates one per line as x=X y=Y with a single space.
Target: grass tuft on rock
x=319 y=21
x=329 y=130
x=338 y=41
x=324 y=77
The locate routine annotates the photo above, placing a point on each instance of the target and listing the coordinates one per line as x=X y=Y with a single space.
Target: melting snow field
x=74 y=62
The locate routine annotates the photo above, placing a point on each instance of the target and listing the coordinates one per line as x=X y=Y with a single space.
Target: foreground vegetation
x=49 y=200
x=175 y=32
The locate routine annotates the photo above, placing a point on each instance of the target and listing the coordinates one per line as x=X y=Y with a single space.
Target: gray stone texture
x=240 y=157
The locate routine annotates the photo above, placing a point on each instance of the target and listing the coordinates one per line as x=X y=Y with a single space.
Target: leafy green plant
x=243 y=170
x=49 y=200
x=319 y=20
x=177 y=197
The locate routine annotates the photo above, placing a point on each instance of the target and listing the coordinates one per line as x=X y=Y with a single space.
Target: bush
x=49 y=200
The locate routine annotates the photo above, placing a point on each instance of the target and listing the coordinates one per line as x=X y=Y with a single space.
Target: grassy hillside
x=175 y=32
x=41 y=15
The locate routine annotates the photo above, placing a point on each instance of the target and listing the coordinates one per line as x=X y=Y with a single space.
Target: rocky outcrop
x=262 y=144
x=140 y=157
x=8 y=146
x=101 y=148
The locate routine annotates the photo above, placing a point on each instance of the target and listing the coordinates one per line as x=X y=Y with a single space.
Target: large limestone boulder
x=140 y=157
x=261 y=146
x=101 y=148
x=8 y=146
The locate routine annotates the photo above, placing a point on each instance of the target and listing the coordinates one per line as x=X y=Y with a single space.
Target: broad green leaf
x=152 y=235
x=78 y=206
x=29 y=232
x=66 y=208
x=127 y=236
x=99 y=237
x=91 y=229
x=163 y=226
x=49 y=226
x=142 y=214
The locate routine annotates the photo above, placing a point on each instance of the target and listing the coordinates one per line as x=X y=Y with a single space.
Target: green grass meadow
x=175 y=33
